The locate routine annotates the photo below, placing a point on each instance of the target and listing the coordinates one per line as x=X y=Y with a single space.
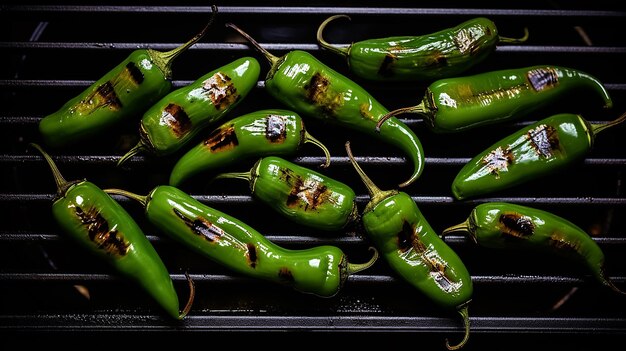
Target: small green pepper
x=128 y=89
x=320 y=270
x=94 y=220
x=304 y=196
x=413 y=249
x=462 y=103
x=446 y=53
x=260 y=133
x=174 y=120
x=503 y=225
x=534 y=151
x=309 y=87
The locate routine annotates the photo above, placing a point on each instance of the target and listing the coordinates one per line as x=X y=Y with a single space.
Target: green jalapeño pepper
x=311 y=88
x=174 y=120
x=320 y=270
x=260 y=133
x=457 y=104
x=543 y=147
x=503 y=225
x=300 y=194
x=413 y=249
x=128 y=89
x=99 y=224
x=446 y=53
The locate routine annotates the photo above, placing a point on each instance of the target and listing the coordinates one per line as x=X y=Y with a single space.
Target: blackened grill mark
x=517 y=225
x=285 y=274
x=276 y=129
x=222 y=139
x=135 y=73
x=498 y=160
x=560 y=242
x=405 y=237
x=111 y=241
x=108 y=97
x=543 y=78
x=318 y=92
x=436 y=59
x=177 y=119
x=386 y=67
x=252 y=256
x=545 y=140
x=312 y=193
x=220 y=89
x=201 y=227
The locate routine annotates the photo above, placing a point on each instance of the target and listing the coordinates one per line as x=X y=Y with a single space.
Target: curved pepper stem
x=273 y=60
x=61 y=183
x=420 y=109
x=357 y=267
x=597 y=128
x=308 y=138
x=143 y=200
x=507 y=40
x=132 y=152
x=463 y=311
x=323 y=43
x=192 y=294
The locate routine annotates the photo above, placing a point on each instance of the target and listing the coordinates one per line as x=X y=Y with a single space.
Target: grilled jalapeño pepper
x=413 y=250
x=300 y=194
x=99 y=224
x=504 y=225
x=544 y=147
x=129 y=88
x=313 y=89
x=171 y=123
x=457 y=104
x=260 y=133
x=413 y=58
x=320 y=270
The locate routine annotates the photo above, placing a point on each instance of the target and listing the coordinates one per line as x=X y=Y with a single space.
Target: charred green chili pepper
x=462 y=103
x=260 y=133
x=413 y=249
x=128 y=89
x=320 y=270
x=311 y=88
x=503 y=225
x=175 y=119
x=300 y=194
x=446 y=53
x=544 y=147
x=98 y=223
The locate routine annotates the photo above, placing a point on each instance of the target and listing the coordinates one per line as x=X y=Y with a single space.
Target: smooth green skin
x=477 y=177
x=425 y=57
x=141 y=262
x=252 y=139
x=300 y=194
x=344 y=103
x=318 y=270
x=159 y=138
x=462 y=103
x=85 y=116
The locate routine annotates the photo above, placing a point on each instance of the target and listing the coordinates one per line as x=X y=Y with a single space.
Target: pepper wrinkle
x=498 y=160
x=222 y=139
x=386 y=67
x=545 y=140
x=252 y=256
x=285 y=274
x=177 y=119
x=135 y=74
x=543 y=78
x=220 y=89
x=516 y=225
x=318 y=93
x=201 y=227
x=111 y=241
x=276 y=129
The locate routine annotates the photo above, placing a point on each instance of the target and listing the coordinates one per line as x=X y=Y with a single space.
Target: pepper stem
x=514 y=40
x=464 y=313
x=323 y=43
x=412 y=109
x=235 y=175
x=192 y=295
x=357 y=267
x=143 y=200
x=597 y=128
x=308 y=138
x=461 y=227
x=61 y=183
x=132 y=152
x=273 y=60
x=164 y=60
x=604 y=278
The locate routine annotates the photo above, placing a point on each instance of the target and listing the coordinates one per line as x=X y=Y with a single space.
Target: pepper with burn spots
x=462 y=103
x=320 y=270
x=174 y=120
x=501 y=225
x=311 y=88
x=94 y=220
x=542 y=148
x=126 y=90
x=413 y=249
x=304 y=196
x=445 y=53
x=260 y=133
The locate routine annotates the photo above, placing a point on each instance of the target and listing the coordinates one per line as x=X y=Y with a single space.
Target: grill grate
x=515 y=293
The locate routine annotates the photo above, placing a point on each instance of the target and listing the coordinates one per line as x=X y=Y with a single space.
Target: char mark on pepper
x=276 y=129
x=543 y=78
x=563 y=244
x=436 y=59
x=386 y=67
x=252 y=256
x=318 y=92
x=516 y=225
x=498 y=160
x=109 y=240
x=220 y=89
x=177 y=119
x=545 y=140
x=222 y=139
x=103 y=95
x=285 y=275
x=134 y=73
x=307 y=194
x=201 y=227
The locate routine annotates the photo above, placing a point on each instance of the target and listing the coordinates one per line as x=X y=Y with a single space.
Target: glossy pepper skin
x=445 y=53
x=175 y=119
x=413 y=249
x=462 y=103
x=94 y=220
x=304 y=196
x=259 y=133
x=126 y=90
x=502 y=225
x=532 y=152
x=309 y=87
x=320 y=270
